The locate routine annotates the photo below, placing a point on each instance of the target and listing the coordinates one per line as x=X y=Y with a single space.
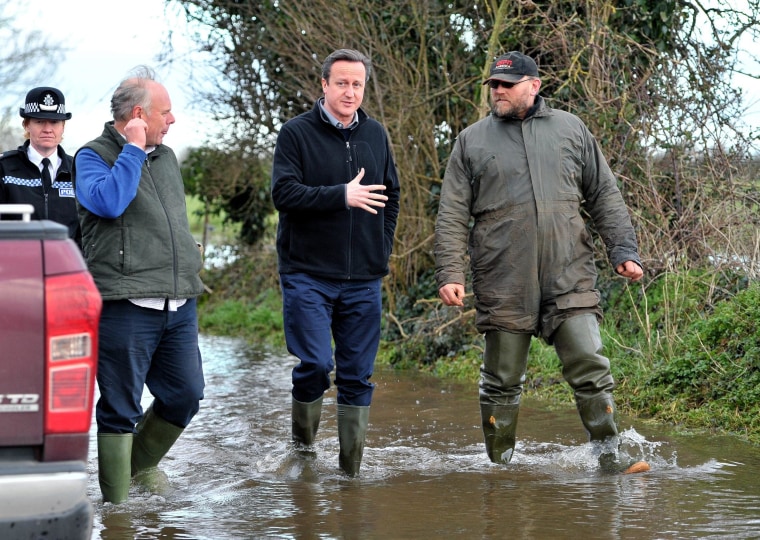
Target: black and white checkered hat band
x=35 y=108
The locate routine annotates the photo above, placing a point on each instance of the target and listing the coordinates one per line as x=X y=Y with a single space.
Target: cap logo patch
x=503 y=64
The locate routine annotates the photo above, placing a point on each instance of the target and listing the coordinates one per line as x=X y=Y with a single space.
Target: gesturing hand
x=361 y=196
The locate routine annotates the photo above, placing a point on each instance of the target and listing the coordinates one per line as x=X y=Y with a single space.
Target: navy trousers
x=140 y=347
x=318 y=312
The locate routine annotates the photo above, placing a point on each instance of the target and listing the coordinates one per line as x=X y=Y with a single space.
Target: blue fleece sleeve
x=107 y=191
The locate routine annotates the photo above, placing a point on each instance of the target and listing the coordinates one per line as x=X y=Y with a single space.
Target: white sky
x=106 y=39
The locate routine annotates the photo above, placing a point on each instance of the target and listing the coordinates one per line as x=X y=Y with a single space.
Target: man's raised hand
x=361 y=196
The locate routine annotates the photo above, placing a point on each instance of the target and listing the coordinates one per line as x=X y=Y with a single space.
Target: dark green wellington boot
x=305 y=419
x=598 y=417
x=502 y=376
x=579 y=346
x=114 y=451
x=352 y=429
x=153 y=439
x=499 y=427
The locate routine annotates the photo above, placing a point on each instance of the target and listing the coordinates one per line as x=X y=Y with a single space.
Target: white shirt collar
x=36 y=158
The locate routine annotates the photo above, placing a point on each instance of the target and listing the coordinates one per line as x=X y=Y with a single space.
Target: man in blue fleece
x=335 y=186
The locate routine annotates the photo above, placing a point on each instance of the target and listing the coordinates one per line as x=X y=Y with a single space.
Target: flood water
x=425 y=473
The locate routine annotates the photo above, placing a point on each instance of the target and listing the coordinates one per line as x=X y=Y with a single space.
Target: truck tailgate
x=22 y=343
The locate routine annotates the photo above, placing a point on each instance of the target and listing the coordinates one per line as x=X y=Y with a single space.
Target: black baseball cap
x=512 y=67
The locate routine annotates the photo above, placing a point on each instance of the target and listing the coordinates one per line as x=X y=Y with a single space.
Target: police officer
x=39 y=171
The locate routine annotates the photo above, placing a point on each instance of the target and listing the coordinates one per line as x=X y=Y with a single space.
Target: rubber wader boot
x=502 y=376
x=499 y=427
x=352 y=429
x=579 y=345
x=598 y=417
x=153 y=439
x=114 y=451
x=305 y=418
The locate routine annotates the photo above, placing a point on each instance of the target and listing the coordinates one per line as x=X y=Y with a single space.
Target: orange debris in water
x=639 y=466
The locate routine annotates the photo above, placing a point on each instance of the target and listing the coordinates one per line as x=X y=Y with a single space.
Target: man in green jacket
x=523 y=175
x=138 y=246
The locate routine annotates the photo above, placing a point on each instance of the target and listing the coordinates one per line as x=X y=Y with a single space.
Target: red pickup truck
x=49 y=312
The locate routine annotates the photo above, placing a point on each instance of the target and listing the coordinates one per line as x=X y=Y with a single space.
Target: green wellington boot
x=579 y=346
x=352 y=429
x=153 y=439
x=114 y=451
x=499 y=427
x=598 y=417
x=502 y=376
x=305 y=421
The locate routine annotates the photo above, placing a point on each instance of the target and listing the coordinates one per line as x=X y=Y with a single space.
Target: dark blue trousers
x=318 y=312
x=139 y=346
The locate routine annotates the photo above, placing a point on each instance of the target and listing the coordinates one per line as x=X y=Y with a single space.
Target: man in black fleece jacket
x=335 y=186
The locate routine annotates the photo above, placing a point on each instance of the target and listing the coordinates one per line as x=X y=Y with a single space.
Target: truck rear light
x=69 y=347
x=69 y=390
x=72 y=315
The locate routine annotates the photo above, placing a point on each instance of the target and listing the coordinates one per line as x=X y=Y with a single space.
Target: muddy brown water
x=425 y=473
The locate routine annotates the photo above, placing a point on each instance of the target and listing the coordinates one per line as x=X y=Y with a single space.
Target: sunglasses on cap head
x=494 y=83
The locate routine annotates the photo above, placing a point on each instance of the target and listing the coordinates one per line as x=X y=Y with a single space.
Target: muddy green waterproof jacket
x=525 y=183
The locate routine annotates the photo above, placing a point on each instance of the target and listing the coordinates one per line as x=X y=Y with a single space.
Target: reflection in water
x=424 y=474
